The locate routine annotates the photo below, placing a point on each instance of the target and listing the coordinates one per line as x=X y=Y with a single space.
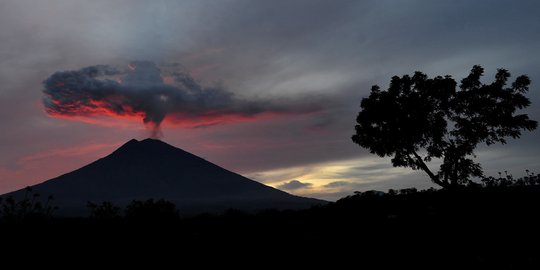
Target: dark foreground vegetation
x=496 y=223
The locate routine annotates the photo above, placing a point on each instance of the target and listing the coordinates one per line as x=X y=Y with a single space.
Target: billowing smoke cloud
x=144 y=91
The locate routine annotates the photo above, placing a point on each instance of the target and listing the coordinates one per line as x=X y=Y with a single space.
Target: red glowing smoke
x=144 y=92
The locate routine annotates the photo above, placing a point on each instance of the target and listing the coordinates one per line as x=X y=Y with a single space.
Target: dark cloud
x=145 y=91
x=294 y=185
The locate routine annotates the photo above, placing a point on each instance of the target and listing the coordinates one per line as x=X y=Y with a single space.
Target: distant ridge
x=150 y=168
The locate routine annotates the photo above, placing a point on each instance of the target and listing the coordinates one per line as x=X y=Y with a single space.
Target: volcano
x=152 y=169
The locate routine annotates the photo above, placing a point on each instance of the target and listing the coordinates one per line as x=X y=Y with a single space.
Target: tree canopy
x=420 y=118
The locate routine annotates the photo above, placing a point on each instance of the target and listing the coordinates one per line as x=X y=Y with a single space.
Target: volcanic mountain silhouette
x=146 y=169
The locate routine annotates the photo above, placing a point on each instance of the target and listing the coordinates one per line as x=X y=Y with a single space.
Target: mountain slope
x=153 y=169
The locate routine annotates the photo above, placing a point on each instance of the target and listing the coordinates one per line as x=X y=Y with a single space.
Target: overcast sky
x=308 y=62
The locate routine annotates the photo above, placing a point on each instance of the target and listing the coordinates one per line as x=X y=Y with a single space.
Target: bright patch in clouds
x=332 y=180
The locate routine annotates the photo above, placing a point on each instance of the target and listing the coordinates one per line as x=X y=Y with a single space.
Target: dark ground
x=487 y=227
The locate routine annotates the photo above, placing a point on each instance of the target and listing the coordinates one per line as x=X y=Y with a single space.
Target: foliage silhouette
x=493 y=223
x=508 y=180
x=149 y=210
x=428 y=115
x=29 y=208
x=104 y=211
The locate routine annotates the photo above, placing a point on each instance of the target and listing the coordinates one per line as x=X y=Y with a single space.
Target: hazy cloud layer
x=337 y=184
x=294 y=185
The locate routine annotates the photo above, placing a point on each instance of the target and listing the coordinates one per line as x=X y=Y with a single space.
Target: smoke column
x=143 y=91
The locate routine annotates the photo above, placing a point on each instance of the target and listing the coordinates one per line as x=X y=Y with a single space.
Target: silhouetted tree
x=508 y=180
x=26 y=209
x=151 y=210
x=104 y=211
x=420 y=118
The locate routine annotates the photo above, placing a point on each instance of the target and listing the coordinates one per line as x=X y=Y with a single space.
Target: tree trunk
x=434 y=178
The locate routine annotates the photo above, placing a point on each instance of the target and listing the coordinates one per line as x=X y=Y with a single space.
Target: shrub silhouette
x=151 y=210
x=29 y=208
x=492 y=223
x=508 y=180
x=104 y=211
x=428 y=115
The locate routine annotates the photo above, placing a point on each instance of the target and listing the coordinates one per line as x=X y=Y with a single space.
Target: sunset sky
x=274 y=86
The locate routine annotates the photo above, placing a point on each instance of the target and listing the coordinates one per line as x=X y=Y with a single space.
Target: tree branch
x=420 y=162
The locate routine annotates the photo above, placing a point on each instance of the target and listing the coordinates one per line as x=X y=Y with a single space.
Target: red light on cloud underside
x=99 y=94
x=185 y=121
x=101 y=120
x=111 y=119
x=167 y=79
x=90 y=111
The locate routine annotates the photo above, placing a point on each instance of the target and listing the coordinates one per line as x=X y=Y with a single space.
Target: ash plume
x=144 y=91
